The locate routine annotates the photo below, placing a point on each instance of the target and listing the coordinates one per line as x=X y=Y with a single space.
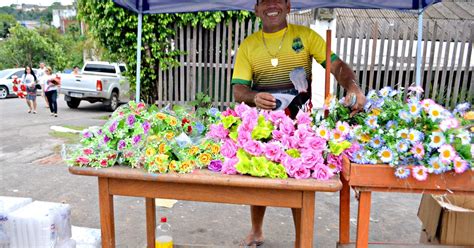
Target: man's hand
x=265 y=101
x=358 y=106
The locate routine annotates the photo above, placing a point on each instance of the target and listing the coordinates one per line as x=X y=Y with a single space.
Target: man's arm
x=263 y=100
x=347 y=79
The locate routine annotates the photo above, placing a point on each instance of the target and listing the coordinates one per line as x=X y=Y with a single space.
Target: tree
x=30 y=47
x=115 y=29
x=6 y=22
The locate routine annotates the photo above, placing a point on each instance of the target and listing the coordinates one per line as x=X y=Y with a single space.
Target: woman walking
x=30 y=80
x=50 y=84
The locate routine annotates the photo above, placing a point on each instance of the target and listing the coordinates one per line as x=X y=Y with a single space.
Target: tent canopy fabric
x=178 y=6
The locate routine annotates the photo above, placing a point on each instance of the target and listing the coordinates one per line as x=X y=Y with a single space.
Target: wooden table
x=366 y=179
x=205 y=186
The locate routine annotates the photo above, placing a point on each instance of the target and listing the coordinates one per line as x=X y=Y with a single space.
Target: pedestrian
x=50 y=85
x=75 y=70
x=263 y=65
x=41 y=72
x=30 y=80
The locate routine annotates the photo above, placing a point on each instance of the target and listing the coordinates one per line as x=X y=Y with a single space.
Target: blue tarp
x=176 y=6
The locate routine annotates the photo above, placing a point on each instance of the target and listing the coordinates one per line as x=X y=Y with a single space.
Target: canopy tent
x=166 y=6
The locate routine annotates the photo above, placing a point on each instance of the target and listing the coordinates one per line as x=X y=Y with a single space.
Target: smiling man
x=264 y=63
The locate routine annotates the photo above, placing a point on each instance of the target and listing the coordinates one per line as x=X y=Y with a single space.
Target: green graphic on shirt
x=297 y=45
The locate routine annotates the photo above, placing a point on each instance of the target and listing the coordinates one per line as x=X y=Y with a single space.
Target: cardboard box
x=448 y=219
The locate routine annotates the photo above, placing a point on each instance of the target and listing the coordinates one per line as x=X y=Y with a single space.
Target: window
x=122 y=68
x=99 y=68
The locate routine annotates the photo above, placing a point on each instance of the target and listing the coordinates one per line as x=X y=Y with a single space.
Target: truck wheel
x=113 y=103
x=73 y=103
x=3 y=92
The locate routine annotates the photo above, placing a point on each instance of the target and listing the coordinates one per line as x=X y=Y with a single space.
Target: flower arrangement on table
x=139 y=136
x=412 y=132
x=18 y=88
x=270 y=144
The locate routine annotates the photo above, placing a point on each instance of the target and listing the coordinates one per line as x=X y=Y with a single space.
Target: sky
x=42 y=2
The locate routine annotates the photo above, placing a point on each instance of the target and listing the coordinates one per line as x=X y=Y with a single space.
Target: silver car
x=6 y=80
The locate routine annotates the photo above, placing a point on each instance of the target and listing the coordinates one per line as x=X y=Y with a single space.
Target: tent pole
x=139 y=56
x=327 y=81
x=418 y=48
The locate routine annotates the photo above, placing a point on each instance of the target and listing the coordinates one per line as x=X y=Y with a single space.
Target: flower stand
x=366 y=179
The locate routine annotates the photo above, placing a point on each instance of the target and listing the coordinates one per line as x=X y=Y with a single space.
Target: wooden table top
x=204 y=176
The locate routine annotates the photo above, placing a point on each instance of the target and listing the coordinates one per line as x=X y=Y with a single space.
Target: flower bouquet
x=412 y=132
x=270 y=144
x=18 y=88
x=140 y=136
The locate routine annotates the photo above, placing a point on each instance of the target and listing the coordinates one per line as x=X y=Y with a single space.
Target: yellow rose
x=162 y=148
x=193 y=150
x=173 y=166
x=215 y=148
x=160 y=159
x=160 y=116
x=186 y=166
x=205 y=158
x=172 y=121
x=365 y=138
x=150 y=152
x=152 y=138
x=169 y=135
x=162 y=168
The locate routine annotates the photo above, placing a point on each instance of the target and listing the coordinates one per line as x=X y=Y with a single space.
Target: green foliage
x=30 y=47
x=116 y=30
x=6 y=22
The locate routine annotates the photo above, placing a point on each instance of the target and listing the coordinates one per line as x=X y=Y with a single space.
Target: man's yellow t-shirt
x=253 y=65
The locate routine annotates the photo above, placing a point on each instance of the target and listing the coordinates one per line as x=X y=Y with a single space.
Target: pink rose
x=103 y=163
x=277 y=135
x=322 y=173
x=276 y=117
x=229 y=112
x=336 y=161
x=253 y=147
x=229 y=149
x=303 y=118
x=311 y=158
x=273 y=152
x=82 y=160
x=217 y=131
x=302 y=173
x=287 y=127
x=229 y=166
x=88 y=151
x=314 y=143
x=243 y=137
x=349 y=152
x=240 y=109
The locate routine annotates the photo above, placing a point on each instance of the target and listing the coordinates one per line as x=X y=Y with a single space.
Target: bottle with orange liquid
x=163 y=235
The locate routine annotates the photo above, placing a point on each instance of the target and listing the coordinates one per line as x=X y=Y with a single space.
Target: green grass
x=78 y=128
x=105 y=117
x=69 y=138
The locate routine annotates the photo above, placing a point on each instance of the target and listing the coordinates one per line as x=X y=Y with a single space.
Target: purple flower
x=113 y=127
x=215 y=165
x=121 y=144
x=136 y=139
x=99 y=132
x=131 y=120
x=87 y=134
x=146 y=126
x=106 y=139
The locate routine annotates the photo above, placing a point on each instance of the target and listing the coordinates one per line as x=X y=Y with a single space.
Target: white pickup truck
x=97 y=82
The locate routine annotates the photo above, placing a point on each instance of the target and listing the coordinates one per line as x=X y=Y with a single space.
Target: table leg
x=106 y=205
x=150 y=222
x=344 y=212
x=297 y=221
x=307 y=220
x=363 y=219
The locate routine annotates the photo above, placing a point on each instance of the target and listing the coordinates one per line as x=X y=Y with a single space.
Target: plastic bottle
x=163 y=235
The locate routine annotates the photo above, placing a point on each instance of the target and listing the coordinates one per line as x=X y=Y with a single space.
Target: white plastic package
x=39 y=224
x=86 y=237
x=9 y=204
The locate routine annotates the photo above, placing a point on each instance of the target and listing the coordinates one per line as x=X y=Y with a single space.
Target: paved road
x=28 y=169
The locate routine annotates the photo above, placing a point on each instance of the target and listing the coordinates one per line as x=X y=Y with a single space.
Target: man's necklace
x=274 y=58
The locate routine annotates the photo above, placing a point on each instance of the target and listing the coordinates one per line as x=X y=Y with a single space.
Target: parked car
x=98 y=82
x=6 y=80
